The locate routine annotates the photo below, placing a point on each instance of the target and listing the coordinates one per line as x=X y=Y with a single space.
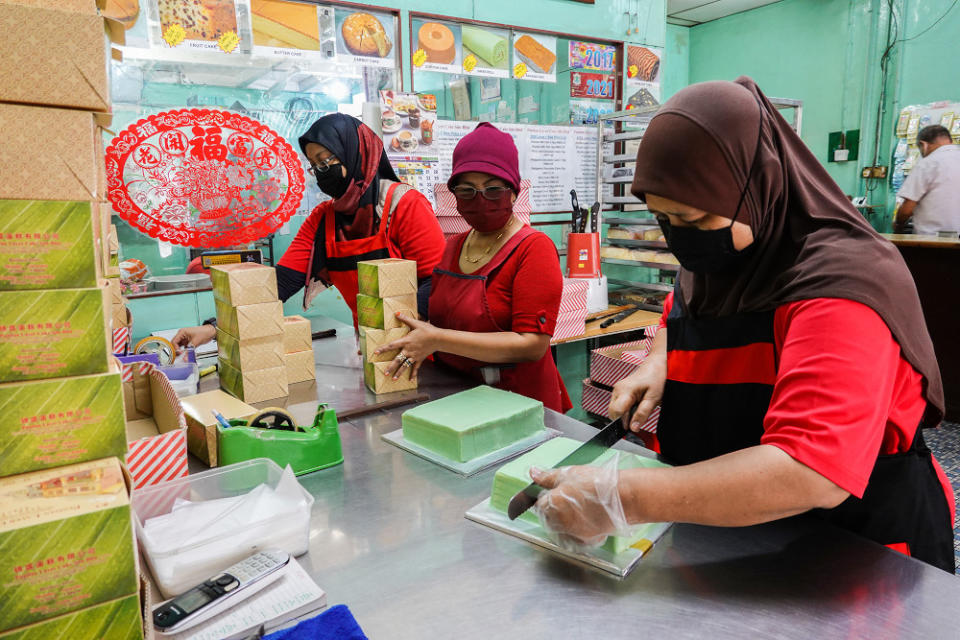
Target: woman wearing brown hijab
x=793 y=365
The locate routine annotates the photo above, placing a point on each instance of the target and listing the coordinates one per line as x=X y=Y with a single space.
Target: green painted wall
x=676 y=61
x=827 y=53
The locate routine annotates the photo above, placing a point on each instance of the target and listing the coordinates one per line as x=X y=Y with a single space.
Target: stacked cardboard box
x=249 y=331
x=298 y=350
x=387 y=287
x=69 y=554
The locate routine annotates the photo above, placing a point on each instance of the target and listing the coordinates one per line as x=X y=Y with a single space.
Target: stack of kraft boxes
x=298 y=349
x=387 y=287
x=249 y=331
x=68 y=566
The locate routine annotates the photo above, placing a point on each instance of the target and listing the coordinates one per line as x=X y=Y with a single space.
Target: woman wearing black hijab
x=793 y=367
x=371 y=215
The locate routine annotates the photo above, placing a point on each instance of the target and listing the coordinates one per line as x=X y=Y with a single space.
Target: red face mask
x=486 y=215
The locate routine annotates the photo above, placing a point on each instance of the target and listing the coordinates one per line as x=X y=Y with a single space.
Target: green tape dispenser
x=273 y=433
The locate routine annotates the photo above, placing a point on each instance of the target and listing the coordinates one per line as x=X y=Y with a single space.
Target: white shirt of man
x=934 y=184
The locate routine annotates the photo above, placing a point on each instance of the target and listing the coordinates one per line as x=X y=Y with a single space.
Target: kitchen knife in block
x=584 y=454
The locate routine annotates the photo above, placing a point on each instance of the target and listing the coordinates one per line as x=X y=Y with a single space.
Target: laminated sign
x=203 y=178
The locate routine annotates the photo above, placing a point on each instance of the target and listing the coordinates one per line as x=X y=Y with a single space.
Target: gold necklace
x=489 y=247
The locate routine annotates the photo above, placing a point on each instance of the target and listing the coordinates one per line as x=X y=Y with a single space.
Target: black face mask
x=332 y=181
x=704 y=251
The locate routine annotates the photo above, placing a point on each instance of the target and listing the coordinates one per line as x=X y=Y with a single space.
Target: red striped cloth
x=607 y=366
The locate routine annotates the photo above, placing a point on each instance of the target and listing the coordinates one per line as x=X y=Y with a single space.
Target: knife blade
x=589 y=451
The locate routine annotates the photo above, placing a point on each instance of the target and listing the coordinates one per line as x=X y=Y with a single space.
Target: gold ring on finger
x=408 y=363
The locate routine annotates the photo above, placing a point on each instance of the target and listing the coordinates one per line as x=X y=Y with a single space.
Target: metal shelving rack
x=613 y=208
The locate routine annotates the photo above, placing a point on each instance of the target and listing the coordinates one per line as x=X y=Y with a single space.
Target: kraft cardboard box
x=53 y=333
x=61 y=58
x=80 y=6
x=381 y=313
x=253 y=386
x=156 y=429
x=244 y=283
x=36 y=171
x=51 y=423
x=67 y=541
x=250 y=321
x=202 y=426
x=374 y=376
x=47 y=244
x=387 y=278
x=118 y=619
x=250 y=353
x=300 y=366
x=373 y=339
x=296 y=334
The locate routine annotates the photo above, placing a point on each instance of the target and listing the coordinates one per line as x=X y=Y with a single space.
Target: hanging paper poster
x=289 y=29
x=590 y=56
x=589 y=111
x=203 y=178
x=436 y=47
x=366 y=38
x=199 y=25
x=486 y=52
x=642 y=86
x=534 y=57
x=597 y=86
x=407 y=120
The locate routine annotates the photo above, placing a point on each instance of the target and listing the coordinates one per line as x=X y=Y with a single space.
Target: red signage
x=596 y=86
x=203 y=178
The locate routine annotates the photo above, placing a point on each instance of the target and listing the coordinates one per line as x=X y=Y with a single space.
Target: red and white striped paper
x=574 y=297
x=596 y=400
x=607 y=366
x=569 y=325
x=162 y=457
x=121 y=341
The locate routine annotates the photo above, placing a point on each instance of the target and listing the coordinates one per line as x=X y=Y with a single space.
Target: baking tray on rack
x=476 y=465
x=619 y=564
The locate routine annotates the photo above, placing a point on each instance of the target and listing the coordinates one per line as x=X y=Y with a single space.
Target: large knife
x=584 y=454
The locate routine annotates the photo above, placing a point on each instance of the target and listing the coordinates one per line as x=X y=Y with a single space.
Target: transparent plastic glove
x=581 y=506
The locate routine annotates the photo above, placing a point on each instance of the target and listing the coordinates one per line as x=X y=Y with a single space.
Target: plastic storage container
x=179 y=566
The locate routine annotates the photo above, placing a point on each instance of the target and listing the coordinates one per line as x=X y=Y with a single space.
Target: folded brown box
x=202 y=426
x=78 y=6
x=376 y=379
x=59 y=60
x=244 y=283
x=253 y=386
x=252 y=320
x=249 y=354
x=387 y=278
x=300 y=366
x=36 y=171
x=296 y=334
x=372 y=339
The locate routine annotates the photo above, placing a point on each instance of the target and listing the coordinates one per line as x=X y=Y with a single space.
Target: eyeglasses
x=324 y=165
x=466 y=192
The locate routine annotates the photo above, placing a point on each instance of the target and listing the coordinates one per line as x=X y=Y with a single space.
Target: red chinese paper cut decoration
x=203 y=178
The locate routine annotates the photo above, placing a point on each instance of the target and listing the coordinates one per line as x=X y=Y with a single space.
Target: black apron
x=714 y=402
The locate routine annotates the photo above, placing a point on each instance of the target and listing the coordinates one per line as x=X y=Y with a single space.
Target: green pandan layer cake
x=512 y=477
x=473 y=423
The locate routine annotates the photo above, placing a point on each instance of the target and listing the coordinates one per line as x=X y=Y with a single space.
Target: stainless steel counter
x=388 y=538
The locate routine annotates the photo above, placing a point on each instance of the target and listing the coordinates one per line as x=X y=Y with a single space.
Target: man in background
x=931 y=193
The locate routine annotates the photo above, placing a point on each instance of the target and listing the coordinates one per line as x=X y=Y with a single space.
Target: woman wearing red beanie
x=496 y=292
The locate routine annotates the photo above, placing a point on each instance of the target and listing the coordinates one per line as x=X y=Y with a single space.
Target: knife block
x=583 y=255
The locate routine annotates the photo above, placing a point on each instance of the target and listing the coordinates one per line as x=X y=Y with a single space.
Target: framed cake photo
x=407 y=121
x=366 y=38
x=486 y=51
x=436 y=46
x=292 y=29
x=210 y=25
x=534 y=57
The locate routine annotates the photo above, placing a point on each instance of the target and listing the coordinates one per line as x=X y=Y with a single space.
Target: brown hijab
x=809 y=240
